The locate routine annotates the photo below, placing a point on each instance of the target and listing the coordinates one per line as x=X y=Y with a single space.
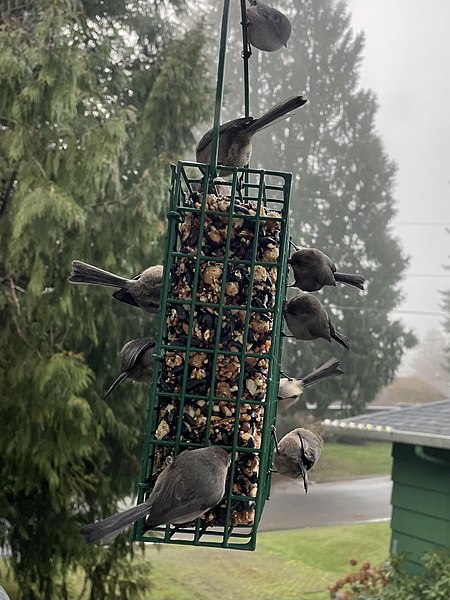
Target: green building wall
x=420 y=501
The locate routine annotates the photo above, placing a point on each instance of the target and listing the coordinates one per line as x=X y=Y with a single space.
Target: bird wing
x=123 y=296
x=330 y=263
x=133 y=350
x=207 y=138
x=312 y=326
x=175 y=498
x=264 y=12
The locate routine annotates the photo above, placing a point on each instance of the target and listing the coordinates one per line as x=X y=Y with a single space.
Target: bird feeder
x=218 y=346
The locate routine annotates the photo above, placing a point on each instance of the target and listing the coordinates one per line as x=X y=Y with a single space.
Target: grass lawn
x=350 y=461
x=285 y=566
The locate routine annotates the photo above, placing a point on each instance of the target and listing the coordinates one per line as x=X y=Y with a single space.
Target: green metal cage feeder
x=218 y=347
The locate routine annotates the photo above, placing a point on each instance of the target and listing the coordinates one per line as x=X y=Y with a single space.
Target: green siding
x=416 y=548
x=420 y=526
x=412 y=470
x=420 y=502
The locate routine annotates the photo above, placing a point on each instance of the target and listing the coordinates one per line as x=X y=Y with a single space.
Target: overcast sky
x=406 y=63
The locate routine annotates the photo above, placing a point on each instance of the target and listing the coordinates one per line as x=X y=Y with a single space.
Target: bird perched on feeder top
x=268 y=28
x=235 y=137
x=187 y=487
x=290 y=390
x=143 y=291
x=308 y=320
x=137 y=362
x=313 y=269
x=297 y=453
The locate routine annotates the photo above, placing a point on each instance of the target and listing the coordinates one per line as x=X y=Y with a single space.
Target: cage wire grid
x=263 y=189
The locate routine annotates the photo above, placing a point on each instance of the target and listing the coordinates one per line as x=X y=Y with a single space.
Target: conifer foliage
x=95 y=98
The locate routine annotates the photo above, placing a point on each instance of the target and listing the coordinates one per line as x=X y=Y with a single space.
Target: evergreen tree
x=95 y=98
x=342 y=198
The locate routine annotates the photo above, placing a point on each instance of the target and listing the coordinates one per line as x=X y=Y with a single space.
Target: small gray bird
x=268 y=28
x=143 y=291
x=137 y=362
x=290 y=390
x=193 y=483
x=235 y=137
x=313 y=269
x=308 y=320
x=297 y=453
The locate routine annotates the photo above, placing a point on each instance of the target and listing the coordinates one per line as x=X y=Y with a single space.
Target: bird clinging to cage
x=290 y=390
x=313 y=269
x=297 y=453
x=308 y=320
x=235 y=137
x=143 y=291
x=137 y=362
x=187 y=487
x=268 y=28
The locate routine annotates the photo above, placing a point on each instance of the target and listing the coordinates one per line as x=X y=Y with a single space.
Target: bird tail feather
x=109 y=528
x=276 y=113
x=84 y=273
x=329 y=369
x=340 y=338
x=356 y=281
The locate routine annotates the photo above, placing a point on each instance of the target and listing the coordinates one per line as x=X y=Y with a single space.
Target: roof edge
x=388 y=434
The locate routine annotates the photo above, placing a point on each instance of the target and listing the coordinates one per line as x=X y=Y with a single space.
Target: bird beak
x=304 y=473
x=285 y=45
x=121 y=377
x=303 y=470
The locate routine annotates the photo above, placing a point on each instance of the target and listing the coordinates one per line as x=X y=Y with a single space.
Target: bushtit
x=313 y=269
x=268 y=28
x=190 y=485
x=235 y=137
x=137 y=362
x=143 y=291
x=297 y=453
x=290 y=390
x=308 y=320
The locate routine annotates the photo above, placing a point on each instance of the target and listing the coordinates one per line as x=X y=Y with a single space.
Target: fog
x=406 y=64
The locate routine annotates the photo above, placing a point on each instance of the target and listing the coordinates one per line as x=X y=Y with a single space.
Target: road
x=326 y=503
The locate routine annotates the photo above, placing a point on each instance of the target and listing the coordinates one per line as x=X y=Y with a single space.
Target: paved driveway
x=326 y=503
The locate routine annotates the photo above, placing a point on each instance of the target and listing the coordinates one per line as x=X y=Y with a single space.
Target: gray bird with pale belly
x=193 y=483
x=297 y=453
x=235 y=137
x=143 y=291
x=308 y=320
x=137 y=362
x=268 y=28
x=290 y=390
x=313 y=269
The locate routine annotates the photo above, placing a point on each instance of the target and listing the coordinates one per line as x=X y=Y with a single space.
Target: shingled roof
x=424 y=424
